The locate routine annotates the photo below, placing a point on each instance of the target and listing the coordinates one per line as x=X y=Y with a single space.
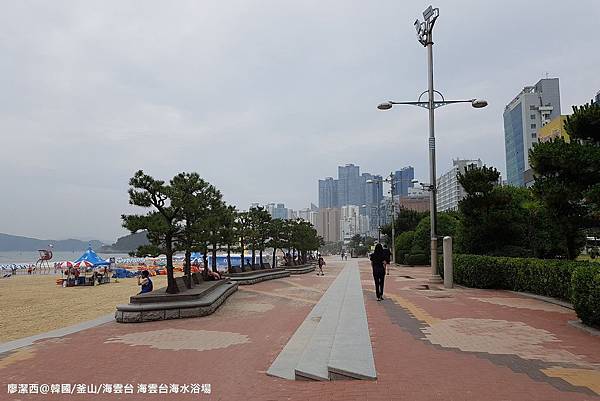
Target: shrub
x=417 y=259
x=446 y=225
x=403 y=245
x=586 y=294
x=539 y=276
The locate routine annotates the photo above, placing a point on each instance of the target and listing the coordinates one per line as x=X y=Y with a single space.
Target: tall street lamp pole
x=390 y=179
x=392 y=190
x=424 y=35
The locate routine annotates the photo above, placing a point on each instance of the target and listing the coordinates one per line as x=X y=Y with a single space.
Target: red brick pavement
x=263 y=317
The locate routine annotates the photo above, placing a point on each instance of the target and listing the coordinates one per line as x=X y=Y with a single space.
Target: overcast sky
x=261 y=98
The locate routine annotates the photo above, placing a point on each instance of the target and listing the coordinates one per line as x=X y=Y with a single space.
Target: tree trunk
x=242 y=252
x=187 y=271
x=274 y=264
x=171 y=284
x=229 y=258
x=205 y=256
x=214 y=257
x=260 y=258
x=253 y=255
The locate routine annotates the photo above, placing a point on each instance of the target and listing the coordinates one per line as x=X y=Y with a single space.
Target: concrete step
x=285 y=364
x=351 y=355
x=313 y=362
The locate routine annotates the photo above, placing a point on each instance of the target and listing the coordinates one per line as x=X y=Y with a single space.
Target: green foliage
x=406 y=220
x=574 y=281
x=161 y=222
x=539 y=276
x=417 y=259
x=421 y=244
x=478 y=181
x=403 y=245
x=492 y=219
x=567 y=176
x=586 y=294
x=584 y=123
x=564 y=173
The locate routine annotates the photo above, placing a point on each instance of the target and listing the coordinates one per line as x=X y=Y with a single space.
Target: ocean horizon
x=30 y=257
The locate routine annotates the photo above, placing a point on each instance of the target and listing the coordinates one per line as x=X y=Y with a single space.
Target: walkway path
x=459 y=344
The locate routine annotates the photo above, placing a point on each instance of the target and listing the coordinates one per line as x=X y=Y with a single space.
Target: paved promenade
x=459 y=344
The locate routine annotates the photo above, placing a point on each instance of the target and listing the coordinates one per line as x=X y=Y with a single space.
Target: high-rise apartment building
x=352 y=222
x=328 y=224
x=308 y=215
x=350 y=188
x=449 y=190
x=328 y=193
x=277 y=211
x=530 y=110
x=349 y=185
x=403 y=180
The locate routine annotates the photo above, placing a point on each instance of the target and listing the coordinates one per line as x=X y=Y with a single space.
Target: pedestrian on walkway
x=388 y=258
x=321 y=263
x=377 y=263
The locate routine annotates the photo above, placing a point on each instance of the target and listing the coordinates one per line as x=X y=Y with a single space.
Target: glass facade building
x=403 y=180
x=534 y=107
x=513 y=143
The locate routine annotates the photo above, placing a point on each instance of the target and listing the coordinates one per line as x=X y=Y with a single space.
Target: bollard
x=448 y=273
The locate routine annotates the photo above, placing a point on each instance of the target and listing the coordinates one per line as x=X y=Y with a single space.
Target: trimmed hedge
x=586 y=294
x=417 y=259
x=569 y=280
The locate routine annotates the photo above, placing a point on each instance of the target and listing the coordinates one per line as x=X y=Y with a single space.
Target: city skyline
x=93 y=92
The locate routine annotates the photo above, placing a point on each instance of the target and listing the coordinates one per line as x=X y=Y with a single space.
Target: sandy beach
x=35 y=304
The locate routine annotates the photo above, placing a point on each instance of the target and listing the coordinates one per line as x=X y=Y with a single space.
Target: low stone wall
x=300 y=269
x=138 y=313
x=260 y=276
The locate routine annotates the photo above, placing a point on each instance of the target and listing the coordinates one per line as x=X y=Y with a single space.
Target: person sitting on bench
x=209 y=275
x=145 y=282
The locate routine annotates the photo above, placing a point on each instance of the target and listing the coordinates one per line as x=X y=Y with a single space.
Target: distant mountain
x=10 y=243
x=127 y=243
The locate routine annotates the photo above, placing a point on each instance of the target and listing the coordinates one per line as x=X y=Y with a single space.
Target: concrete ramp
x=333 y=341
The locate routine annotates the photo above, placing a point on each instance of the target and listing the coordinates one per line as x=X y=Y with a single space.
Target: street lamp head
x=479 y=103
x=385 y=106
x=431 y=13
x=414 y=181
x=369 y=181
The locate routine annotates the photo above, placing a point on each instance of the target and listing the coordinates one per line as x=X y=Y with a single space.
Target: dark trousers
x=379 y=279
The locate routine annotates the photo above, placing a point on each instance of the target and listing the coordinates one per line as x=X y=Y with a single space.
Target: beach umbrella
x=83 y=264
x=65 y=264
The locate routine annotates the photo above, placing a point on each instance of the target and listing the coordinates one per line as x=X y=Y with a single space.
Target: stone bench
x=300 y=269
x=203 y=299
x=257 y=276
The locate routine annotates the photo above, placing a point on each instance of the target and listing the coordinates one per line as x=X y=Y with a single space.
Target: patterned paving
x=178 y=339
x=512 y=343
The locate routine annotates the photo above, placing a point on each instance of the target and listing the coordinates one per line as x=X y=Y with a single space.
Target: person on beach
x=145 y=282
x=321 y=263
x=378 y=265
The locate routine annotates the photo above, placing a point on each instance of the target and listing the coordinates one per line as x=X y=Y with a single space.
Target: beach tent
x=123 y=273
x=93 y=258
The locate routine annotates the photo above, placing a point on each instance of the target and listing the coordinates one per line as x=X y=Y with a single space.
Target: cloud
x=262 y=98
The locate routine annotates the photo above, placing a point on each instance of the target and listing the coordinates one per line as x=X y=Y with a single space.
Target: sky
x=261 y=98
